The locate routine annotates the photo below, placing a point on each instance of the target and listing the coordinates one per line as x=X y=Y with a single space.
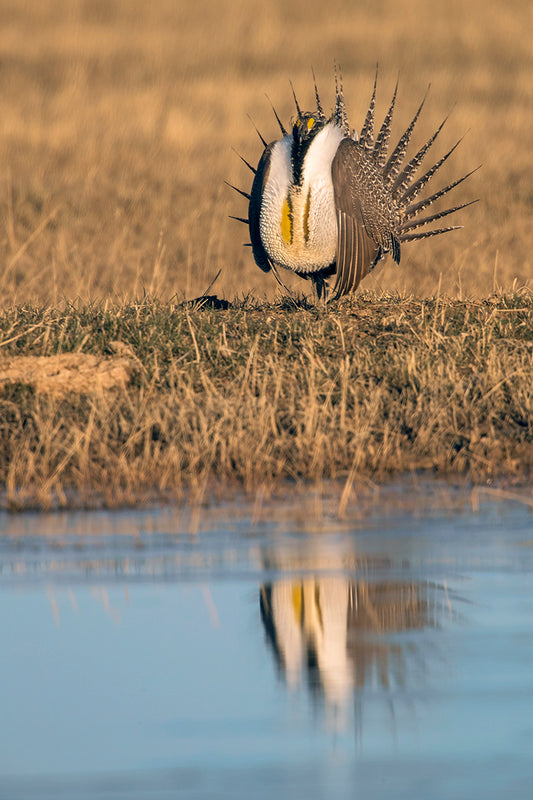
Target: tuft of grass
x=258 y=394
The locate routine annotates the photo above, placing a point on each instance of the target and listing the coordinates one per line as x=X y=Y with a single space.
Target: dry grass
x=257 y=394
x=117 y=121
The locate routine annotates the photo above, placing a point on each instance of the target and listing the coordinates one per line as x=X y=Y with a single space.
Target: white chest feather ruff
x=298 y=224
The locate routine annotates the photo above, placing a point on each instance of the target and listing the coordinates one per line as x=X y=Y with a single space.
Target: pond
x=147 y=654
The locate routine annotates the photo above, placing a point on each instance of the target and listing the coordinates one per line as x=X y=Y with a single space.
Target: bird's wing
x=254 y=210
x=357 y=249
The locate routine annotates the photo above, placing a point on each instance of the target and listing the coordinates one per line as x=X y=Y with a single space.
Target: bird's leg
x=320 y=286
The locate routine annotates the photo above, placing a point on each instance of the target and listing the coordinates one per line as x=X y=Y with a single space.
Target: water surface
x=387 y=657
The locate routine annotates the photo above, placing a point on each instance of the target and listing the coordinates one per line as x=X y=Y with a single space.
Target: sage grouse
x=326 y=201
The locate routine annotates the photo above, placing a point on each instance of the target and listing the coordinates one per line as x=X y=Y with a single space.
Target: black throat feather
x=298 y=153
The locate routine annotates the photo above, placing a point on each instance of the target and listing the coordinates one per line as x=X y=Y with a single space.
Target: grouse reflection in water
x=340 y=632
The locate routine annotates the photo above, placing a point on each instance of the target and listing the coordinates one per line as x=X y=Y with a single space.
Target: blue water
x=391 y=657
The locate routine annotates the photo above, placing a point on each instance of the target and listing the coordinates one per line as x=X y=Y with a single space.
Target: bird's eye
x=298 y=123
x=310 y=123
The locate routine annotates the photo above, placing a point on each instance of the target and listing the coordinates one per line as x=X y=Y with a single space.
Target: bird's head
x=306 y=127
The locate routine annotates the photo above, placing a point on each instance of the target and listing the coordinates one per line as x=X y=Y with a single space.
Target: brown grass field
x=118 y=119
x=117 y=123
x=174 y=399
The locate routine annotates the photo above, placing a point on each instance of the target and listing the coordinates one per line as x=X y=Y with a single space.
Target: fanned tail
x=409 y=237
x=236 y=189
x=393 y=165
x=366 y=136
x=400 y=180
x=413 y=192
x=280 y=123
x=252 y=169
x=415 y=208
x=403 y=181
x=340 y=116
x=257 y=131
x=417 y=222
x=382 y=142
x=319 y=107
x=298 y=109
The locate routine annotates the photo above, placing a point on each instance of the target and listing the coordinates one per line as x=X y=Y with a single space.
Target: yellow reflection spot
x=297 y=602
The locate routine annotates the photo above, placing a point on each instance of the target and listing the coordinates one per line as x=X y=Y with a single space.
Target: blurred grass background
x=117 y=121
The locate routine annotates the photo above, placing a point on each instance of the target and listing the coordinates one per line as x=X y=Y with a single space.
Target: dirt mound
x=70 y=373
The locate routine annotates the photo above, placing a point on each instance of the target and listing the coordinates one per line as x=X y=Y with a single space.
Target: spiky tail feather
x=257 y=130
x=366 y=137
x=419 y=221
x=252 y=169
x=393 y=165
x=241 y=191
x=381 y=146
x=404 y=179
x=409 y=237
x=280 y=123
x=417 y=187
x=319 y=107
x=296 y=103
x=341 y=118
x=415 y=208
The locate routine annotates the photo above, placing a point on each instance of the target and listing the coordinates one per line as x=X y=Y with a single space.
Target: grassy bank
x=255 y=394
